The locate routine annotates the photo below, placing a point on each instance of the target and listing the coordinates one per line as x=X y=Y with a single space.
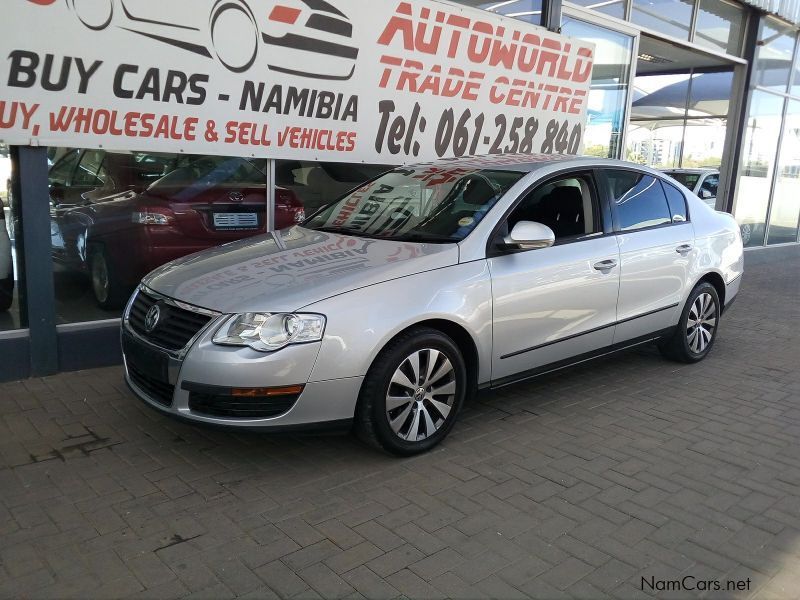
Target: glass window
x=119 y=215
x=758 y=163
x=11 y=317
x=774 y=55
x=703 y=142
x=660 y=137
x=315 y=184
x=639 y=199
x=656 y=143
x=720 y=26
x=608 y=96
x=566 y=206
x=88 y=171
x=677 y=203
x=418 y=204
x=670 y=17
x=785 y=210
x=613 y=8
x=61 y=172
x=527 y=10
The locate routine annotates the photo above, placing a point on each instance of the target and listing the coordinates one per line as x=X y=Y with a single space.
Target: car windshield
x=210 y=171
x=687 y=179
x=417 y=204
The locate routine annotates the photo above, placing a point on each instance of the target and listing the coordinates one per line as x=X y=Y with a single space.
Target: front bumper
x=166 y=380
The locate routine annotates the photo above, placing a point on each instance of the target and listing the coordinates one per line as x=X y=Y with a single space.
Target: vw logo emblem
x=152 y=318
x=236 y=196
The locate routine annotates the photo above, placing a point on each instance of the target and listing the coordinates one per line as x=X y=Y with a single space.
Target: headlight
x=267 y=332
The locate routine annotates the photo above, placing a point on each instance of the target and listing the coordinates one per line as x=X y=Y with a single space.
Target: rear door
x=553 y=304
x=655 y=252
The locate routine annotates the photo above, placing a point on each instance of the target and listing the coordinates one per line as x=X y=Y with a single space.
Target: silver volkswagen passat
x=388 y=308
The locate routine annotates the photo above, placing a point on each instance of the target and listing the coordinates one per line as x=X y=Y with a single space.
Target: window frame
x=602 y=212
x=664 y=184
x=606 y=190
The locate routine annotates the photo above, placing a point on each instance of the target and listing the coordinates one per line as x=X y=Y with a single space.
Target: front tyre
x=697 y=329
x=413 y=392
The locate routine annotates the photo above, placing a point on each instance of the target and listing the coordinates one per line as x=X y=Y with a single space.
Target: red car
x=118 y=216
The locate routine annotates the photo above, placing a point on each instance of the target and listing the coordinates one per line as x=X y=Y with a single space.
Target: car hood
x=288 y=269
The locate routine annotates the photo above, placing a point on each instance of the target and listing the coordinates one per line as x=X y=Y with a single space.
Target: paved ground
x=579 y=484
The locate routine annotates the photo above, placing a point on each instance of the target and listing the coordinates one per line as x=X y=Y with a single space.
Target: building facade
x=708 y=88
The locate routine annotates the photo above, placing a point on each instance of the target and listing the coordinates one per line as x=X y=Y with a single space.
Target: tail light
x=153 y=216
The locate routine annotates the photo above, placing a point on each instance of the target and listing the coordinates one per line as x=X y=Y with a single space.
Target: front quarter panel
x=362 y=322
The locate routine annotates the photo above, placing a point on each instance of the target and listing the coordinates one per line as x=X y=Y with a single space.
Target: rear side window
x=639 y=200
x=677 y=203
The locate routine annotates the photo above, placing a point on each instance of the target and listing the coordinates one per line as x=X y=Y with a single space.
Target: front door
x=555 y=303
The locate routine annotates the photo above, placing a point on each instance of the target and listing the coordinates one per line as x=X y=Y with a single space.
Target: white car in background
x=703 y=182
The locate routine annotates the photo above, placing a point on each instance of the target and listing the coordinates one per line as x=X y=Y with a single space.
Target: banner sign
x=389 y=81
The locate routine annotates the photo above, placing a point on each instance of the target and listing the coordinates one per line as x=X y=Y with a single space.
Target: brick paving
x=576 y=485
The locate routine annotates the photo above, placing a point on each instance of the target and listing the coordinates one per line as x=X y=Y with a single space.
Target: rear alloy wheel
x=108 y=292
x=697 y=330
x=413 y=392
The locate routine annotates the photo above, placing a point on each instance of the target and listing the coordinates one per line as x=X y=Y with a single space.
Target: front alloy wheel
x=421 y=395
x=412 y=393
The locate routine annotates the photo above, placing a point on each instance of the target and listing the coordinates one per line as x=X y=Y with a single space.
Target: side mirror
x=529 y=235
x=705 y=194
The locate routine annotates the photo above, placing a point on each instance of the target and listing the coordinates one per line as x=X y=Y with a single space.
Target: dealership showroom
x=256 y=256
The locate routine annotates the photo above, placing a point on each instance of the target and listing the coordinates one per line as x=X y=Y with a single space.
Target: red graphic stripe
x=282 y=14
x=42 y=2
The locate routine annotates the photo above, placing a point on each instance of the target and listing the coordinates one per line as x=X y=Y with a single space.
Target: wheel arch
x=456 y=332
x=718 y=282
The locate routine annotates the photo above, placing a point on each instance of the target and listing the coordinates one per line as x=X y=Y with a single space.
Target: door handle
x=605 y=265
x=684 y=249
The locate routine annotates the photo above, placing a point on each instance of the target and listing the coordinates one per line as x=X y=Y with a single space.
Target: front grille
x=157 y=390
x=240 y=407
x=175 y=328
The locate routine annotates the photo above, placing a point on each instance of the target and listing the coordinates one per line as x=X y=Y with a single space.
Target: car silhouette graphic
x=308 y=38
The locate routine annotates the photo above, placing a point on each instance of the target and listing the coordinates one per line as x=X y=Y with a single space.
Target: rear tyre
x=697 y=330
x=412 y=393
x=109 y=293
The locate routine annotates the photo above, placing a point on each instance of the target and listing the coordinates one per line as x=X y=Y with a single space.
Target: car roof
x=526 y=163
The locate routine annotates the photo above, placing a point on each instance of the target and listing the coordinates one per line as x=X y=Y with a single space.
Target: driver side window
x=566 y=205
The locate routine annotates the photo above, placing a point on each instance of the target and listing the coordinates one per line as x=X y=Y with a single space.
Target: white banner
x=389 y=81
